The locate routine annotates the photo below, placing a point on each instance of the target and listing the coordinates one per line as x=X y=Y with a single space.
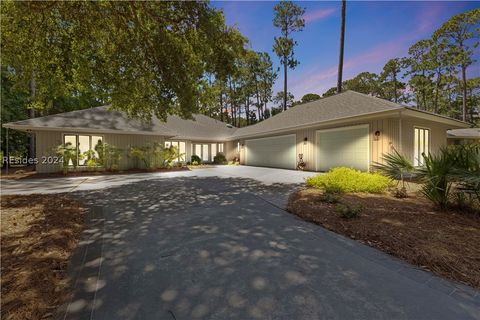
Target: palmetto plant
x=467 y=168
x=452 y=168
x=395 y=166
x=436 y=175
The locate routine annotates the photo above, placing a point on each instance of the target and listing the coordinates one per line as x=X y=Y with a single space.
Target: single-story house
x=348 y=129
x=463 y=136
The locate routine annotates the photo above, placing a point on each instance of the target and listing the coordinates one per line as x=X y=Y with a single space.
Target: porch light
x=305 y=140
x=377 y=135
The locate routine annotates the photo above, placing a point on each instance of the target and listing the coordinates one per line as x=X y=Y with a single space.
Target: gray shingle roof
x=99 y=118
x=203 y=128
x=104 y=119
x=346 y=104
x=472 y=133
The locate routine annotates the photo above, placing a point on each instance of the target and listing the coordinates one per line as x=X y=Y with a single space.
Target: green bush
x=350 y=180
x=68 y=153
x=348 y=212
x=329 y=197
x=220 y=159
x=436 y=176
x=196 y=159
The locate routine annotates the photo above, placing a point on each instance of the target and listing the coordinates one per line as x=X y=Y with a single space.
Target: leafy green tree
x=461 y=34
x=146 y=58
x=391 y=85
x=288 y=18
x=310 y=97
x=278 y=99
x=13 y=108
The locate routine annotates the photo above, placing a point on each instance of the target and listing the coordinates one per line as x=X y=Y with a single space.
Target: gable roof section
x=99 y=119
x=201 y=128
x=104 y=120
x=344 y=105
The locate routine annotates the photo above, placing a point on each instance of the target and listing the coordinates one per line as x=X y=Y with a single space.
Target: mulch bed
x=34 y=175
x=446 y=243
x=38 y=236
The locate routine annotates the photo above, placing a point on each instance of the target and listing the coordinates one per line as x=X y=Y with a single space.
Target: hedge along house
x=348 y=129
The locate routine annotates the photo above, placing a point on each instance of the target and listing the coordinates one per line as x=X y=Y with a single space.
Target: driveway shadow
x=217 y=248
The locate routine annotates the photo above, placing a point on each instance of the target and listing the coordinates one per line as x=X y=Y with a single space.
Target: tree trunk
x=342 y=43
x=221 y=106
x=247 y=110
x=437 y=87
x=464 y=102
x=285 y=84
x=395 y=87
x=33 y=91
x=258 y=100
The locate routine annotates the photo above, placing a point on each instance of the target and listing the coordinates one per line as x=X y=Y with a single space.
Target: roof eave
x=321 y=123
x=409 y=111
x=25 y=128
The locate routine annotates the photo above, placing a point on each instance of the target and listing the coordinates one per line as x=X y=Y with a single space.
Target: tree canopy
x=434 y=74
x=145 y=58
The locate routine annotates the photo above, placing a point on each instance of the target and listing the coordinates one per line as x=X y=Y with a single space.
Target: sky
x=375 y=32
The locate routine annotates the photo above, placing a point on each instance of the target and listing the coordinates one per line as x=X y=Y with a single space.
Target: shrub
x=329 y=197
x=349 y=180
x=111 y=156
x=400 y=193
x=196 y=159
x=68 y=153
x=395 y=166
x=220 y=159
x=435 y=176
x=348 y=212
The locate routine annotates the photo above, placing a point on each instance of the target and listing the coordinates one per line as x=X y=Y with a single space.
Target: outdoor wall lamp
x=305 y=140
x=377 y=135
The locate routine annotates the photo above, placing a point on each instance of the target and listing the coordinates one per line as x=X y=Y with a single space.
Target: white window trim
x=81 y=134
x=414 y=142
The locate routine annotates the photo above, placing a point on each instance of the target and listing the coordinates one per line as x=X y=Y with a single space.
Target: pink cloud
x=319 y=79
x=428 y=18
x=319 y=14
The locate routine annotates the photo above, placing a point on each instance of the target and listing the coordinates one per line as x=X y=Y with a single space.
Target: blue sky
x=375 y=32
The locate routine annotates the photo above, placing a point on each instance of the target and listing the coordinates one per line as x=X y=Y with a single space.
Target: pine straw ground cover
x=444 y=242
x=38 y=235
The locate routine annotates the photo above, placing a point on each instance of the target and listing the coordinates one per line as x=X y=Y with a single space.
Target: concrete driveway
x=266 y=176
x=216 y=246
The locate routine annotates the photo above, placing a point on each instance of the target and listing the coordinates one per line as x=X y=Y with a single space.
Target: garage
x=275 y=152
x=343 y=147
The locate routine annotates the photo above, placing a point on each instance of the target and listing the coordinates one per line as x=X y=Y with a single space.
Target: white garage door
x=275 y=152
x=343 y=147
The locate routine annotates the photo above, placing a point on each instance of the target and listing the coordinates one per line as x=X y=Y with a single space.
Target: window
x=198 y=150
x=83 y=143
x=205 y=152
x=238 y=147
x=181 y=147
x=421 y=145
x=213 y=150
x=220 y=147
